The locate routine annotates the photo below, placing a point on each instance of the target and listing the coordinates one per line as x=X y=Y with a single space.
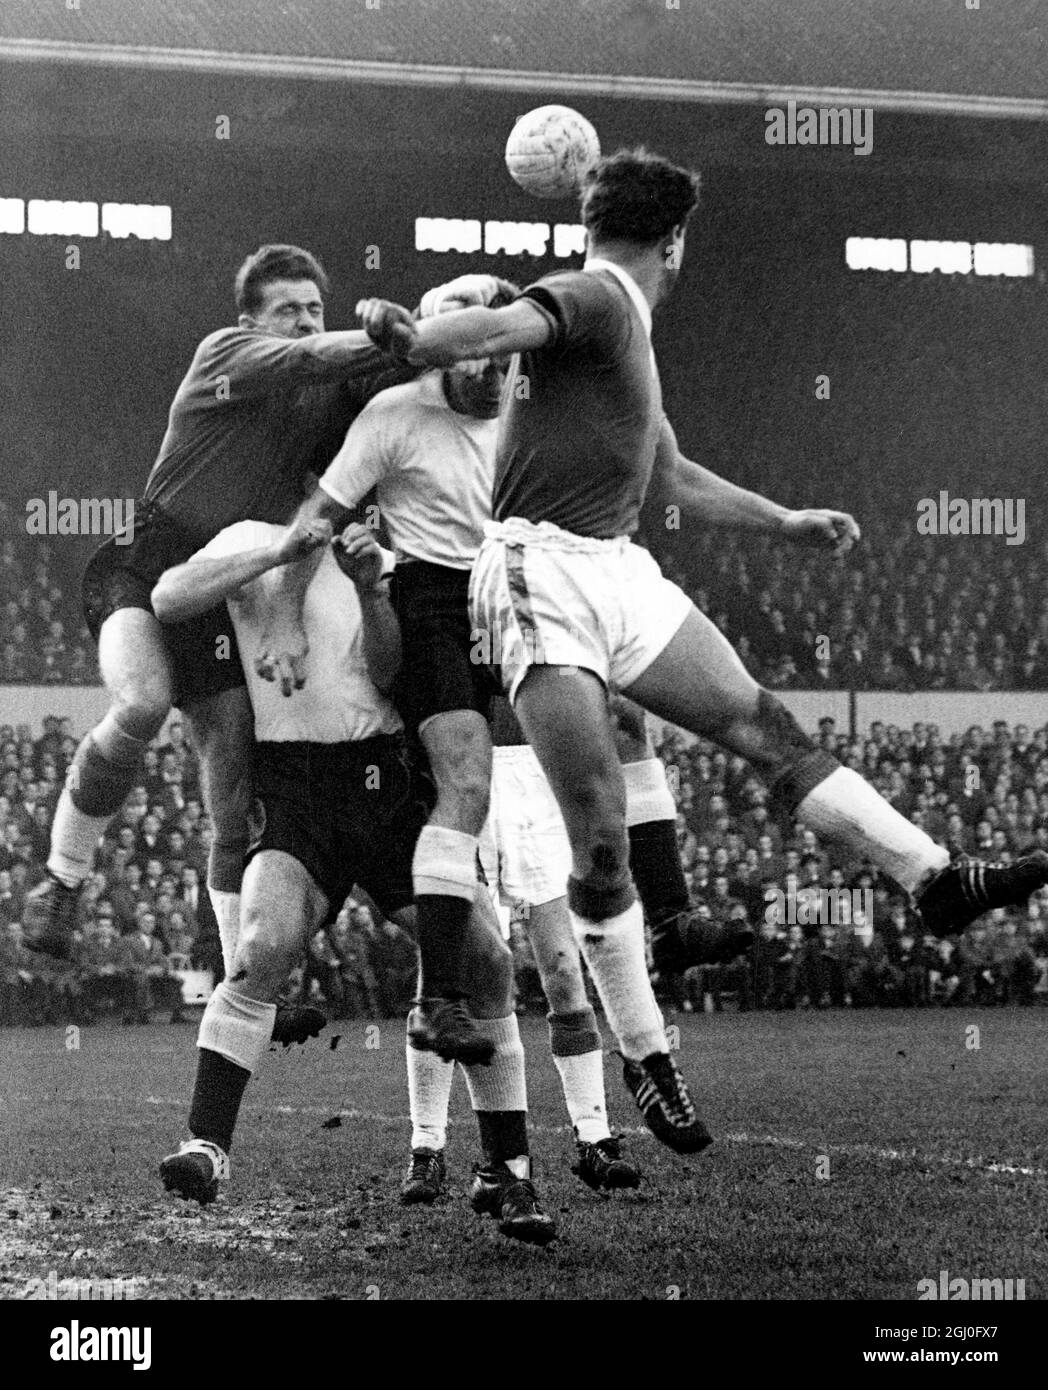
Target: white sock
x=74 y=839
x=582 y=1080
x=575 y=1042
x=227 y=911
x=429 y=1093
x=237 y=1027
x=500 y=1085
x=846 y=808
x=445 y=862
x=648 y=795
x=614 y=954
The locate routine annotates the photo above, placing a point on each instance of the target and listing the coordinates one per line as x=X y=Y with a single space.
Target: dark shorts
x=440 y=670
x=350 y=813
x=203 y=652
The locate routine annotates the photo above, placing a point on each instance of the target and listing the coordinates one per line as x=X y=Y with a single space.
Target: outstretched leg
x=698 y=682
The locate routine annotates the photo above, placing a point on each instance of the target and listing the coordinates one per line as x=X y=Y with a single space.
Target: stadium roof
x=920 y=55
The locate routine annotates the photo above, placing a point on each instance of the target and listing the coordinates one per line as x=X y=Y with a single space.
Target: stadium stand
x=145 y=919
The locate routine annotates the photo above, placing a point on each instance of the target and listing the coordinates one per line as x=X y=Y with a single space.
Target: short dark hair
x=636 y=196
x=275 y=263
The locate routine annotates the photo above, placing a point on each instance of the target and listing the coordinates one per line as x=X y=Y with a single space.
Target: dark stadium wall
x=765 y=303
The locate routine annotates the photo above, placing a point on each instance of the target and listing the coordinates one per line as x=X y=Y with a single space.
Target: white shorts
x=542 y=596
x=524 y=846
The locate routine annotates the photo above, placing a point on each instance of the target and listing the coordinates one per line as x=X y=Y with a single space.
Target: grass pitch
x=858 y=1152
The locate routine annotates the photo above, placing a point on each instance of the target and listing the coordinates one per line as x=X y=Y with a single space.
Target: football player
x=339 y=807
x=579 y=607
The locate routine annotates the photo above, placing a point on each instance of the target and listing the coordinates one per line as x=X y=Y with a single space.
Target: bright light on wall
x=946 y=257
x=1002 y=258
x=58 y=217
x=12 y=215
x=875 y=253
x=497 y=238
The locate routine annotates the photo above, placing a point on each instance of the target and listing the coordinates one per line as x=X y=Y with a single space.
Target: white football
x=549 y=151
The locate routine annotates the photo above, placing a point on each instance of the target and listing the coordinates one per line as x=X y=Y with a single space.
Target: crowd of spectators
x=984 y=792
x=144 y=916
x=145 y=919
x=905 y=613
x=43 y=639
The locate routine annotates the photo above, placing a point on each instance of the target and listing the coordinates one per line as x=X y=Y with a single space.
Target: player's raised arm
x=281 y=335
x=203 y=581
x=710 y=498
x=253 y=363
x=351 y=474
x=360 y=559
x=461 y=335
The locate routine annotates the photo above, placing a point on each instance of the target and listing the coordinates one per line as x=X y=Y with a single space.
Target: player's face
x=478 y=392
x=289 y=309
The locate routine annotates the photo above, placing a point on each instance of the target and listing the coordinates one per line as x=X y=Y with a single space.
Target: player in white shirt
x=428 y=451
x=340 y=806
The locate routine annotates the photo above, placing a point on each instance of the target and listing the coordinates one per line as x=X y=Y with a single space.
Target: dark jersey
x=254 y=414
x=581 y=416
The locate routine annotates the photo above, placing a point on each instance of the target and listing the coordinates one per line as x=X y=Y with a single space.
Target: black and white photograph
x=524 y=670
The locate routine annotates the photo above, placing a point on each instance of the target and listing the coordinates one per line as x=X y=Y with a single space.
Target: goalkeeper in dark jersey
x=262 y=405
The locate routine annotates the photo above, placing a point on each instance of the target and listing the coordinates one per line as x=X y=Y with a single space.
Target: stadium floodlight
x=447 y=234
x=146 y=221
x=569 y=239
x=1003 y=258
x=875 y=253
x=947 y=257
x=54 y=217
x=516 y=238
x=12 y=216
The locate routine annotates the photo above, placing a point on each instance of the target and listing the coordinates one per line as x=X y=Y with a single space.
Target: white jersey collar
x=628 y=283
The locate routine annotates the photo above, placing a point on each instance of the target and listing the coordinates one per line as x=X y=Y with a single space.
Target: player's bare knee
x=265 y=956
x=141 y=710
x=465 y=805
x=605 y=888
x=563 y=984
x=607 y=855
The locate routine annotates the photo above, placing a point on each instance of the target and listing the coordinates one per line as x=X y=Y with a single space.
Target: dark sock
x=503 y=1134
x=442 y=922
x=217 y=1095
x=657 y=872
x=98 y=785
